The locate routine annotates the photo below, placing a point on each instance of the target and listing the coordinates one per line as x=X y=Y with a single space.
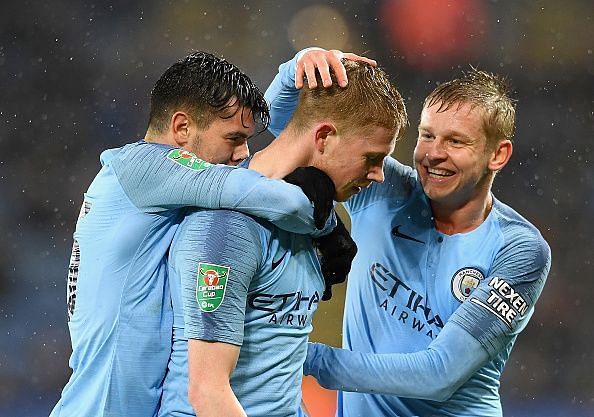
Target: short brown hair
x=369 y=99
x=485 y=90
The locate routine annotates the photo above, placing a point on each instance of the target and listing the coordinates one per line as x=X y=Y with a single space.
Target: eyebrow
x=376 y=154
x=449 y=133
x=238 y=134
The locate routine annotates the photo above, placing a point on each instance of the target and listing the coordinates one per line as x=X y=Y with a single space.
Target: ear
x=323 y=132
x=180 y=128
x=501 y=155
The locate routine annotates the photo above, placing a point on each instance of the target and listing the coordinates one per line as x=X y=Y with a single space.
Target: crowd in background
x=75 y=79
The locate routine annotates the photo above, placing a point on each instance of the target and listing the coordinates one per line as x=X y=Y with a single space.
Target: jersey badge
x=187 y=159
x=464 y=281
x=211 y=285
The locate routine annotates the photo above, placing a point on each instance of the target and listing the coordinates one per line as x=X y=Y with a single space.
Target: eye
x=374 y=159
x=237 y=139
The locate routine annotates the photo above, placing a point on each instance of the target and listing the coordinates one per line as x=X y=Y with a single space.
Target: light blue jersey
x=460 y=299
x=119 y=309
x=432 y=318
x=245 y=282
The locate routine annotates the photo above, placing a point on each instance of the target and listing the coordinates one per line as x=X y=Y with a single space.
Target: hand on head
x=323 y=61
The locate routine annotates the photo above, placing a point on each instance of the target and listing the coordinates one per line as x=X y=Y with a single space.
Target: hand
x=323 y=61
x=319 y=188
x=337 y=251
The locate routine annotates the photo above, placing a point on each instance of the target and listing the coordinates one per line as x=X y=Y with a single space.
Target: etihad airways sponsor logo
x=405 y=304
x=292 y=309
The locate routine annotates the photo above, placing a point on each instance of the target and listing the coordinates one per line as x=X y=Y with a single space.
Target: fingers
x=334 y=61
x=359 y=58
x=323 y=62
x=310 y=73
x=299 y=75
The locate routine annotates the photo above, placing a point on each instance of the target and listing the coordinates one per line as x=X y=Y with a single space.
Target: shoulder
x=521 y=239
x=223 y=224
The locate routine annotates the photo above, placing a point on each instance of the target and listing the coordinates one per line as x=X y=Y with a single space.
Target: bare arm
x=210 y=366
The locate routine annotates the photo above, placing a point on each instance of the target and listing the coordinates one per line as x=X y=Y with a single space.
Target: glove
x=336 y=251
x=319 y=188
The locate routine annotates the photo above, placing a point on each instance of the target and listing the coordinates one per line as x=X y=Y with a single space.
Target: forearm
x=155 y=181
x=432 y=374
x=281 y=203
x=215 y=401
x=209 y=389
x=282 y=97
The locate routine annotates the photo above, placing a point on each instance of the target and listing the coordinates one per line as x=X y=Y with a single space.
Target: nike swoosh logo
x=277 y=263
x=396 y=232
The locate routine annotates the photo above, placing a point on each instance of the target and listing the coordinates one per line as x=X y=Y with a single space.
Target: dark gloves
x=319 y=188
x=336 y=251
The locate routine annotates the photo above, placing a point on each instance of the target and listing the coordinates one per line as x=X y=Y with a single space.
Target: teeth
x=440 y=172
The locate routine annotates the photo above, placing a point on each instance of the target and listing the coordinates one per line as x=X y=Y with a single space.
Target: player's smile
x=439 y=173
x=450 y=154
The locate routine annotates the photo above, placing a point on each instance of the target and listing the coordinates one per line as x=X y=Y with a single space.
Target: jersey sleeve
x=399 y=182
x=431 y=374
x=501 y=306
x=215 y=255
x=282 y=96
x=158 y=178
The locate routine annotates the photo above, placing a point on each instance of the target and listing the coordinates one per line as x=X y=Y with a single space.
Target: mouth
x=439 y=173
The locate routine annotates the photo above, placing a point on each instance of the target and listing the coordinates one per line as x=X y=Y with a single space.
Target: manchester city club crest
x=464 y=281
x=211 y=284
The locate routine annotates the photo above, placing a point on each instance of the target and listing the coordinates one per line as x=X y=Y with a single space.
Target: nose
x=240 y=152
x=376 y=174
x=436 y=150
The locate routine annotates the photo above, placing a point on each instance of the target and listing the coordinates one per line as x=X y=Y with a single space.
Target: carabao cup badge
x=211 y=285
x=187 y=159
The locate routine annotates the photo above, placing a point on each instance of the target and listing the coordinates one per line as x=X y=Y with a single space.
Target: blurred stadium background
x=75 y=78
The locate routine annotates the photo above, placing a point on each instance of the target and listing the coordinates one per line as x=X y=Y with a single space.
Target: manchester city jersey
x=245 y=282
x=409 y=279
x=120 y=316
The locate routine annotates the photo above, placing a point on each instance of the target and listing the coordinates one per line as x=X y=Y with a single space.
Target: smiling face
x=355 y=160
x=452 y=157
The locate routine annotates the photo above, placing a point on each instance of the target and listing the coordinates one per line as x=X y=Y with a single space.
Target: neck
x=153 y=137
x=451 y=219
x=286 y=153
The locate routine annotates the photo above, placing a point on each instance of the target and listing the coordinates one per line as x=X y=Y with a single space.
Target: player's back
x=119 y=310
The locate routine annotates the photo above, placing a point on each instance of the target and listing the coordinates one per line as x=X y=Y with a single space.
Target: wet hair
x=205 y=86
x=487 y=91
x=369 y=100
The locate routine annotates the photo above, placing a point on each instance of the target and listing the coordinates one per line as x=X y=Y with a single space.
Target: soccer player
x=246 y=290
x=446 y=275
x=119 y=308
